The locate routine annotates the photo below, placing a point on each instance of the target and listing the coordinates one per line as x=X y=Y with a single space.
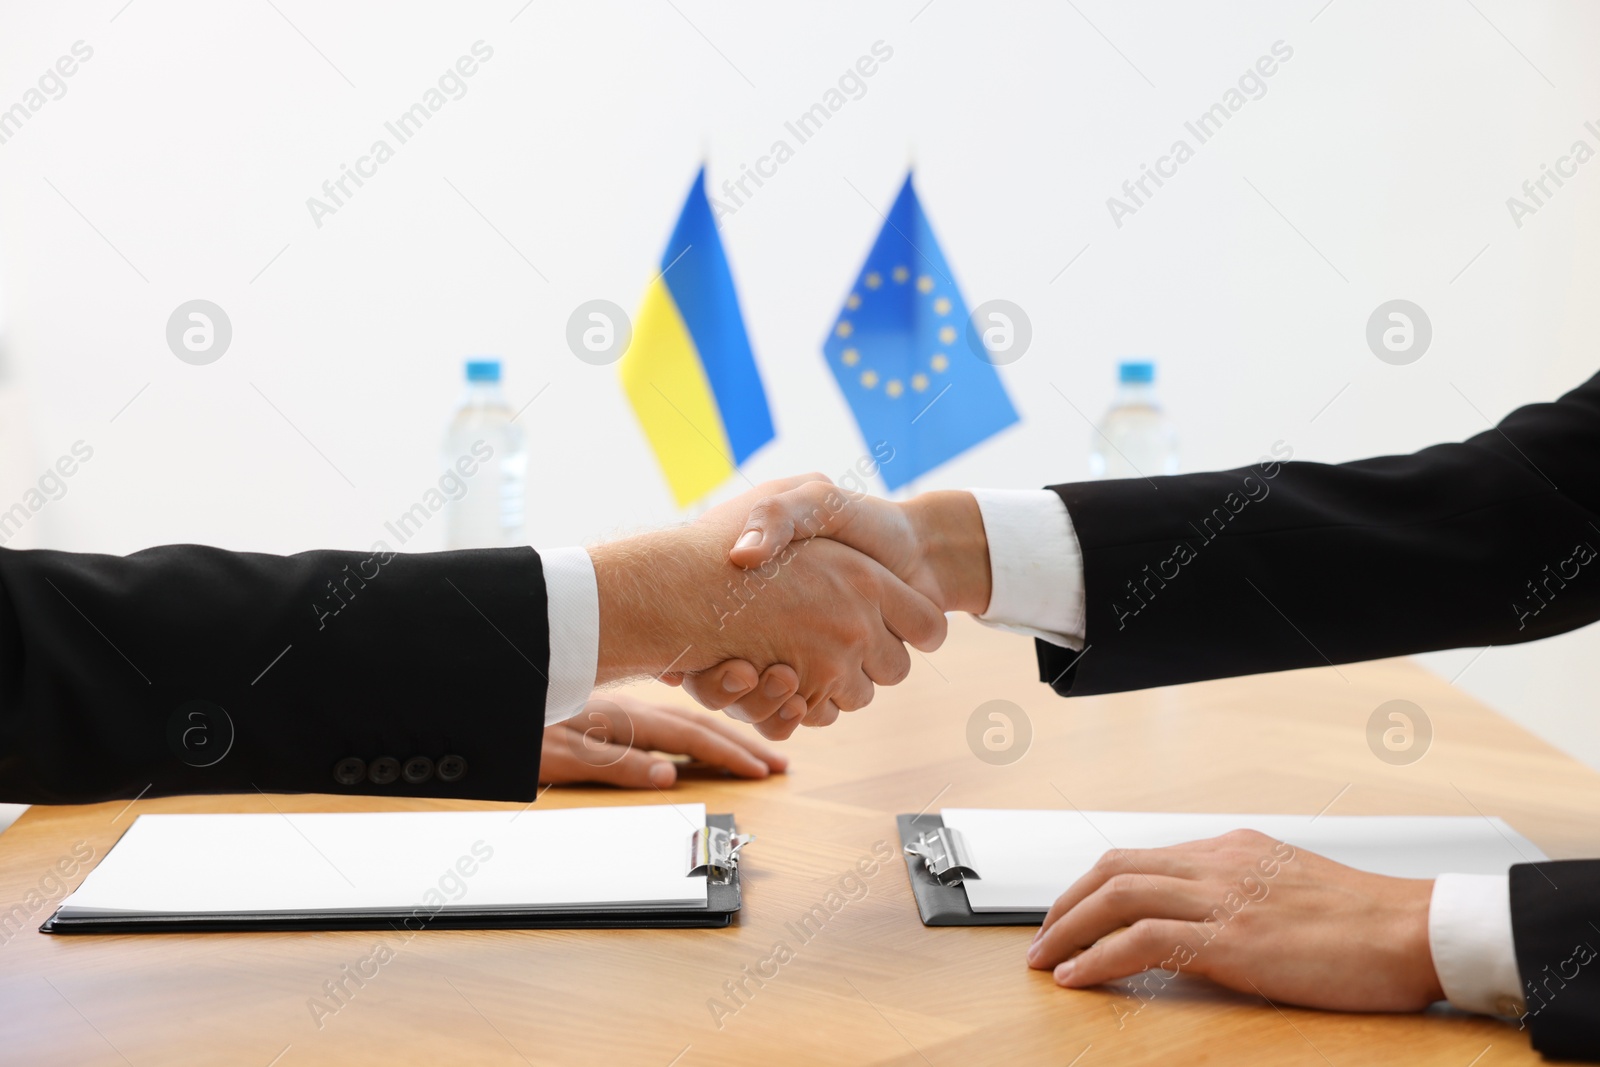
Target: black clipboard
x=940 y=904
x=723 y=900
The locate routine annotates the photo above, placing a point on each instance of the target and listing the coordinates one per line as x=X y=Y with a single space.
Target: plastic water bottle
x=485 y=465
x=1134 y=440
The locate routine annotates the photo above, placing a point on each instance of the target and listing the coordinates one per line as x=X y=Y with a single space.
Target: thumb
x=810 y=510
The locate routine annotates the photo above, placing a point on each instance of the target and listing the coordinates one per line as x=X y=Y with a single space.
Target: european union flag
x=901 y=354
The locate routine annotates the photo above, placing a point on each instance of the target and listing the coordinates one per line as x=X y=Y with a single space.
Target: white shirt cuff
x=574 y=609
x=1474 y=953
x=1036 y=565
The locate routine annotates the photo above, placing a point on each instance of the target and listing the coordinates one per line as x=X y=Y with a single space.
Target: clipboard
x=937 y=863
x=714 y=849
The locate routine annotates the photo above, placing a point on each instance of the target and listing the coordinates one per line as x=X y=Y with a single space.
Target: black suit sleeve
x=1555 y=921
x=1280 y=565
x=187 y=669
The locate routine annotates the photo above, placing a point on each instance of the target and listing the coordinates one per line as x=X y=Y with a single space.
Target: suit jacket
x=1282 y=564
x=187 y=669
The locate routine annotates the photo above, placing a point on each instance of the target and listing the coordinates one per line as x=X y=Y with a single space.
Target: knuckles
x=1121 y=888
x=1110 y=862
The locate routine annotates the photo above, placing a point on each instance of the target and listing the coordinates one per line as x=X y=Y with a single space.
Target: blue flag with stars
x=903 y=357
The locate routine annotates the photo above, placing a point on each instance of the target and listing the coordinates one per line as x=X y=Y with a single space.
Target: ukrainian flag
x=688 y=371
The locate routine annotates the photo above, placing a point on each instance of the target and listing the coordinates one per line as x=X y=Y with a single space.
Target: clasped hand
x=916 y=560
x=1314 y=932
x=765 y=606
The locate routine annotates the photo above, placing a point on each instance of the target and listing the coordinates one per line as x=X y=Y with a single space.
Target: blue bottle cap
x=483 y=370
x=1136 y=372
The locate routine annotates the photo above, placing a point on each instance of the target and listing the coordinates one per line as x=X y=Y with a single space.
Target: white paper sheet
x=1028 y=858
x=227 y=864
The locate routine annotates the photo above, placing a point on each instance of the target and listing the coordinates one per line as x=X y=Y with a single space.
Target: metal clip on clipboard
x=715 y=851
x=945 y=855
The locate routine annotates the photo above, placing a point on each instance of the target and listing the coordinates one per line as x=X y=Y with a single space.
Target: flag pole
x=910 y=488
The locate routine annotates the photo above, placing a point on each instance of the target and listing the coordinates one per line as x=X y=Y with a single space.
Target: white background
x=178 y=164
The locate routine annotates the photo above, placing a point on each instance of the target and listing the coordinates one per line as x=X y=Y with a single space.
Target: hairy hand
x=616 y=738
x=934 y=543
x=838 y=618
x=1250 y=913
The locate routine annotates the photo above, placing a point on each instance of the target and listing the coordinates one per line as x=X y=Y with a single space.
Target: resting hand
x=1250 y=913
x=615 y=738
x=934 y=543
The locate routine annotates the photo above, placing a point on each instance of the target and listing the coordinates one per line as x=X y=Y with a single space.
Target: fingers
x=778 y=683
x=568 y=757
x=848 y=695
x=811 y=509
x=611 y=743
x=887 y=662
x=776 y=761
x=719 y=686
x=710 y=741
x=1148 y=861
x=1148 y=943
x=908 y=614
x=826 y=712
x=786 y=721
x=630 y=768
x=1122 y=900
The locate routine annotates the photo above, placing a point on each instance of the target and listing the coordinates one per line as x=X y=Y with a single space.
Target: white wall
x=193 y=137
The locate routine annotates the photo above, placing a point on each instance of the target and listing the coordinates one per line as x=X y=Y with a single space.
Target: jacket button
x=384 y=770
x=452 y=768
x=418 y=769
x=349 y=770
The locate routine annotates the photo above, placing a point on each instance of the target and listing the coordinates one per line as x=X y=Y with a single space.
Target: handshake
x=791 y=602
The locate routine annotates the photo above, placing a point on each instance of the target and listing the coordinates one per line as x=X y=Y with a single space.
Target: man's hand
x=935 y=543
x=615 y=738
x=1249 y=913
x=672 y=601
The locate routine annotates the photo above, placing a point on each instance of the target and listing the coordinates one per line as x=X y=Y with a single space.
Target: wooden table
x=872 y=985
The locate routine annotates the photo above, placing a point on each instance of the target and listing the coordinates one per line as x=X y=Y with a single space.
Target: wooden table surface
x=872 y=985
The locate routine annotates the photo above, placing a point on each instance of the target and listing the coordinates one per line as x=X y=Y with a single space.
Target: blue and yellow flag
x=901 y=354
x=689 y=372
